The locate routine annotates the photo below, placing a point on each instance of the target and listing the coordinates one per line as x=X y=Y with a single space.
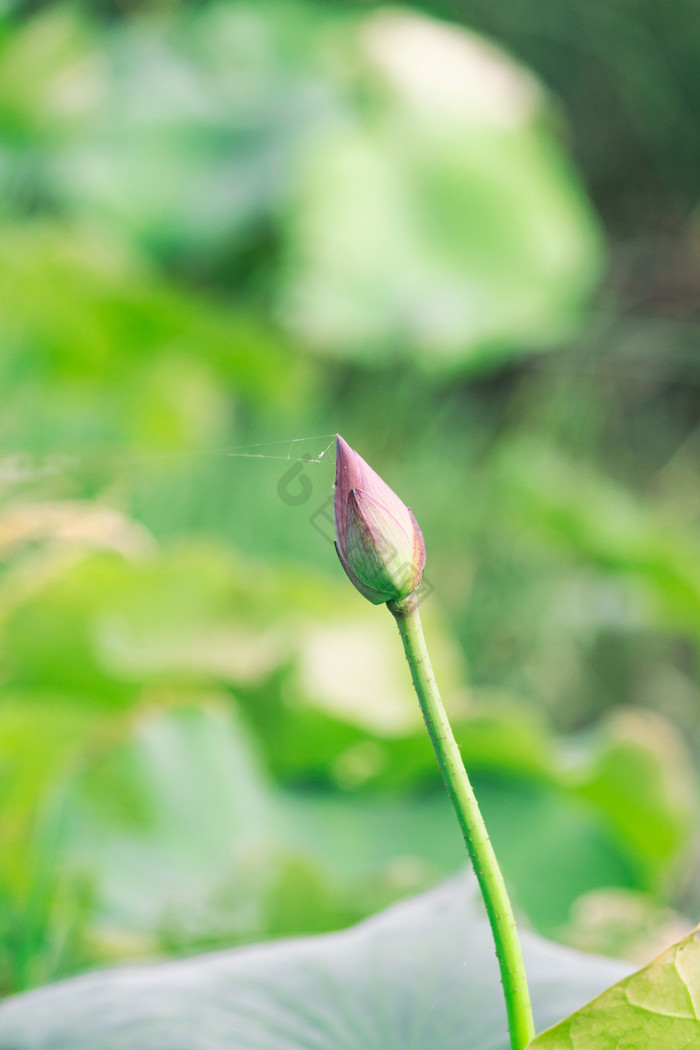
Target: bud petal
x=378 y=540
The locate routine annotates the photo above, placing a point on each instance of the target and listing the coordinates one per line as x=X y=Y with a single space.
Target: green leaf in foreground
x=421 y=975
x=654 y=1009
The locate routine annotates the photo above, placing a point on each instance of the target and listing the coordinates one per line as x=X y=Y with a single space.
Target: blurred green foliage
x=229 y=224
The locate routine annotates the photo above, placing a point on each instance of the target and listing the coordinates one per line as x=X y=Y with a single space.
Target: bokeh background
x=465 y=235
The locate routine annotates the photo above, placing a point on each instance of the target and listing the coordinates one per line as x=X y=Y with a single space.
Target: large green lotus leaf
x=205 y=115
x=653 y=1009
x=179 y=829
x=422 y=975
x=103 y=626
x=170 y=813
x=442 y=220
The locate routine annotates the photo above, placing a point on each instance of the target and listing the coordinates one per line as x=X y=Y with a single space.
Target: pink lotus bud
x=378 y=540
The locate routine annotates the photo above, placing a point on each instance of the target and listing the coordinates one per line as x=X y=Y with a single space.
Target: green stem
x=483 y=858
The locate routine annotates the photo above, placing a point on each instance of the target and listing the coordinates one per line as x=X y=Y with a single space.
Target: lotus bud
x=377 y=538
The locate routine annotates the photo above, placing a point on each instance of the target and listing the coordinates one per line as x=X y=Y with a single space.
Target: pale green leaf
x=443 y=222
x=653 y=1009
